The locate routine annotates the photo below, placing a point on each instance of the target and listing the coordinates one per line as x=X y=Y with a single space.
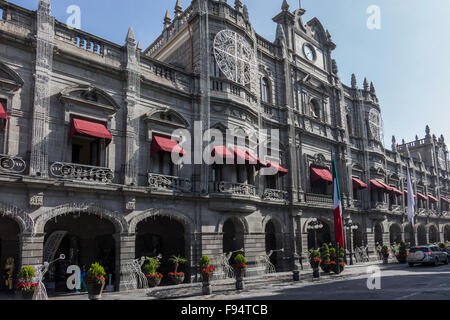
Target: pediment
x=167 y=116
x=9 y=78
x=91 y=97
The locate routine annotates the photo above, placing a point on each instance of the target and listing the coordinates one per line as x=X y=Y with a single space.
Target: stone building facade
x=112 y=194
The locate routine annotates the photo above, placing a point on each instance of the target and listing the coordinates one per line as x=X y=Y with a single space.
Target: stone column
x=212 y=246
x=31 y=249
x=43 y=73
x=125 y=252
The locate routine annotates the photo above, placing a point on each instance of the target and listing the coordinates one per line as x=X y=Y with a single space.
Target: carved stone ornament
x=131 y=204
x=37 y=200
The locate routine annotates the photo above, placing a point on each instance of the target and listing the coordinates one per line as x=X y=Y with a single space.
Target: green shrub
x=204 y=262
x=325 y=253
x=151 y=267
x=240 y=259
x=26 y=274
x=332 y=254
x=96 y=273
x=314 y=254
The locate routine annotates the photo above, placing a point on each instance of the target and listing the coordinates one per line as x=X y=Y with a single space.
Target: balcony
x=79 y=172
x=395 y=208
x=233 y=188
x=383 y=206
x=319 y=200
x=422 y=212
x=275 y=195
x=9 y=164
x=158 y=182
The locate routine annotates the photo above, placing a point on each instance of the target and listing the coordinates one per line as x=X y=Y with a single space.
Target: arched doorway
x=421 y=235
x=86 y=239
x=447 y=233
x=409 y=236
x=433 y=235
x=233 y=237
x=358 y=240
x=273 y=243
x=379 y=234
x=9 y=245
x=163 y=235
x=395 y=234
x=319 y=236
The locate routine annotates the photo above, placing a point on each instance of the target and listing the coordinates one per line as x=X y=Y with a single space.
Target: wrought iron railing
x=159 y=182
x=235 y=188
x=275 y=195
x=319 y=199
x=9 y=164
x=81 y=172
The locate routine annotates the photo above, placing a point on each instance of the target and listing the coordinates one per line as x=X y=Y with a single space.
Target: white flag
x=411 y=201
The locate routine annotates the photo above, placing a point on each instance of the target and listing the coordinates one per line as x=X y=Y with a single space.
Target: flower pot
x=206 y=284
x=316 y=272
x=326 y=267
x=176 y=280
x=401 y=259
x=27 y=294
x=385 y=259
x=95 y=290
x=153 y=281
x=239 y=273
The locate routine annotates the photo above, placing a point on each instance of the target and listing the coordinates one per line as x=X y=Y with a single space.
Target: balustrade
x=81 y=172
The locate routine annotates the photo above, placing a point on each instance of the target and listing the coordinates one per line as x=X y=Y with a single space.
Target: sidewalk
x=227 y=287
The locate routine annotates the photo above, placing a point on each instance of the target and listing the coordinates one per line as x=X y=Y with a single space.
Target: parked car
x=427 y=255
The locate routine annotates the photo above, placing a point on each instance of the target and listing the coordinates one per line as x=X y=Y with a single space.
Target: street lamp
x=314 y=226
x=350 y=226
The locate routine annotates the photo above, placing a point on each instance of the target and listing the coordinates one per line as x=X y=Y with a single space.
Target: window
x=162 y=164
x=349 y=125
x=315 y=108
x=265 y=90
x=215 y=70
x=86 y=151
x=271 y=182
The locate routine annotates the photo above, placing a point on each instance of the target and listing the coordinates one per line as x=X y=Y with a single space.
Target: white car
x=427 y=255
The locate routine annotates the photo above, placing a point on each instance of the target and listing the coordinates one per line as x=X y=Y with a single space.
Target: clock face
x=309 y=52
x=441 y=159
x=375 y=124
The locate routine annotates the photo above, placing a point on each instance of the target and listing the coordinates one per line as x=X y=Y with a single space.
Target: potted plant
x=240 y=266
x=95 y=281
x=177 y=277
x=385 y=254
x=150 y=270
x=207 y=271
x=315 y=260
x=25 y=285
x=325 y=257
x=340 y=267
x=402 y=254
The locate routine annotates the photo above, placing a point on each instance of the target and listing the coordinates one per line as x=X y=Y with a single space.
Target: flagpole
x=334 y=168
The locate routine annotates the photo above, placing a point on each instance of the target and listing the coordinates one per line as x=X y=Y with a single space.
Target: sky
x=407 y=58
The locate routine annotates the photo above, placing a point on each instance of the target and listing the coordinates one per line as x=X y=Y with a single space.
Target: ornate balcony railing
x=396 y=208
x=357 y=203
x=275 y=195
x=380 y=206
x=81 y=172
x=235 y=188
x=422 y=211
x=10 y=164
x=159 y=182
x=320 y=199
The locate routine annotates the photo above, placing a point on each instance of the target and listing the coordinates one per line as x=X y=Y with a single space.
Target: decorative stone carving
x=36 y=200
x=130 y=206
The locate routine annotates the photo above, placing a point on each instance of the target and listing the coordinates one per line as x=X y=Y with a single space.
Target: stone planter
x=326 y=268
x=153 y=281
x=401 y=259
x=206 y=284
x=385 y=259
x=95 y=290
x=315 y=267
x=239 y=273
x=176 y=280
x=338 y=269
x=27 y=295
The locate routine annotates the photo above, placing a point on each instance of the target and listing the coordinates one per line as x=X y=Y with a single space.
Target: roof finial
x=44 y=6
x=238 y=5
x=366 y=85
x=178 y=8
x=130 y=36
x=372 y=88
x=167 y=20
x=285 y=6
x=354 y=83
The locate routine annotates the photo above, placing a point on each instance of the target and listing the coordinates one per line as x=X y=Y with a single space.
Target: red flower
x=240 y=266
x=212 y=268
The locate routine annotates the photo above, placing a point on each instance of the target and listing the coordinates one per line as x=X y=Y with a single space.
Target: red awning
x=165 y=145
x=89 y=128
x=433 y=199
x=359 y=184
x=406 y=193
x=222 y=152
x=396 y=191
x=446 y=200
x=321 y=174
x=421 y=196
x=3 y=114
x=281 y=170
x=242 y=156
x=380 y=185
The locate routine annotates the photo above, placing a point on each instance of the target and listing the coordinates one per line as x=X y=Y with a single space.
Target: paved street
x=397 y=283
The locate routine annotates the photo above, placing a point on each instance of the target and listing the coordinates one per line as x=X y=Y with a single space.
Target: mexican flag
x=338 y=225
